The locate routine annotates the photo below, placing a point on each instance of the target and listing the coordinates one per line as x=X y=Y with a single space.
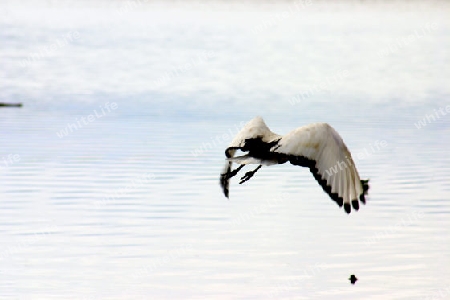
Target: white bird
x=316 y=146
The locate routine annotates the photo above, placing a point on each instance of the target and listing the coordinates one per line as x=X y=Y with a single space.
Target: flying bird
x=353 y=279
x=316 y=146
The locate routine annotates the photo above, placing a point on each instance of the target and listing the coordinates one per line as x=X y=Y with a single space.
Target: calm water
x=109 y=173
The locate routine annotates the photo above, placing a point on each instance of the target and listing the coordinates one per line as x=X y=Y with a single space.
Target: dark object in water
x=11 y=104
x=353 y=279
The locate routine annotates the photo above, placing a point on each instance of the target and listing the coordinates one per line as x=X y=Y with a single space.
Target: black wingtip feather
x=347 y=208
x=355 y=204
x=311 y=164
x=365 y=185
x=362 y=198
x=337 y=199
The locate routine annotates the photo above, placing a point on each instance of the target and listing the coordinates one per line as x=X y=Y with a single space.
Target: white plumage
x=316 y=146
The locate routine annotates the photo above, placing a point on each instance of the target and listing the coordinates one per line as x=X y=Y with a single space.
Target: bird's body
x=316 y=146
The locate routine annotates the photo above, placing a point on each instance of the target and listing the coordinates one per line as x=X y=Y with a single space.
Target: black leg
x=249 y=175
x=233 y=173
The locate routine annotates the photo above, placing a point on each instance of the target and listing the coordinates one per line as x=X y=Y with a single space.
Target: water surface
x=109 y=173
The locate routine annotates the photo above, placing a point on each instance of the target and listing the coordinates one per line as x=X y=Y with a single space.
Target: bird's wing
x=256 y=129
x=319 y=147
